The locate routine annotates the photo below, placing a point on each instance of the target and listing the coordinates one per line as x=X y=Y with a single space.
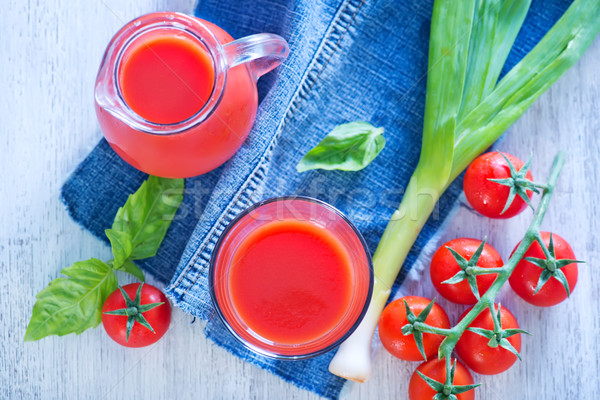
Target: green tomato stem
x=423 y=327
x=352 y=361
x=482 y=271
x=448 y=383
x=487 y=300
x=497 y=325
x=486 y=114
x=545 y=249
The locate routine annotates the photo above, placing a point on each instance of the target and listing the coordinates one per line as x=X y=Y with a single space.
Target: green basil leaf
x=121 y=246
x=148 y=213
x=72 y=304
x=133 y=269
x=348 y=147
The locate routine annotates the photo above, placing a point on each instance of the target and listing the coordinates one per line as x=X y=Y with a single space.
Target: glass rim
x=136 y=29
x=269 y=353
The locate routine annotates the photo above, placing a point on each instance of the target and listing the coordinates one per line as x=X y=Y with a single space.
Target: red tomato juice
x=291 y=281
x=166 y=77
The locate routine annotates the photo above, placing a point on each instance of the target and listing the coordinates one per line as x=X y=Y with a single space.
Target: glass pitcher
x=176 y=95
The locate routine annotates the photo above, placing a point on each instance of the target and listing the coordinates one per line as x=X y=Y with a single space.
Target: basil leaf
x=72 y=304
x=148 y=213
x=133 y=269
x=348 y=147
x=121 y=246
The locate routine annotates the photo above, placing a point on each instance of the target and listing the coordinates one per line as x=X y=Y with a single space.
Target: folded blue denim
x=349 y=60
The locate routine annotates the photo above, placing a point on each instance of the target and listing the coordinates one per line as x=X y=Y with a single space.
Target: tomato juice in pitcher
x=176 y=96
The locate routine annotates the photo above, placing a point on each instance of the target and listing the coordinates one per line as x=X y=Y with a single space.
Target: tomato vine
x=498 y=335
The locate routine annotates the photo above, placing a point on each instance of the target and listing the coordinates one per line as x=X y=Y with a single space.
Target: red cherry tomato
x=444 y=266
x=158 y=317
x=418 y=389
x=393 y=319
x=487 y=197
x=474 y=351
x=526 y=275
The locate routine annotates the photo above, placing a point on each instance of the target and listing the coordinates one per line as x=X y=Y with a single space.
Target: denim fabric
x=349 y=60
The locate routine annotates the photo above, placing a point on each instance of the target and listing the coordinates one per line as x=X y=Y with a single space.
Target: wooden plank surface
x=50 y=53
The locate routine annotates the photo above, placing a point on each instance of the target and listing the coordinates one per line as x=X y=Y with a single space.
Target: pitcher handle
x=265 y=50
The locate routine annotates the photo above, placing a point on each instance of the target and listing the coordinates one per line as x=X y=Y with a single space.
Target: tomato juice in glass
x=291 y=277
x=176 y=96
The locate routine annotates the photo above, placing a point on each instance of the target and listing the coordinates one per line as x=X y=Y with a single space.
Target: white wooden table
x=50 y=51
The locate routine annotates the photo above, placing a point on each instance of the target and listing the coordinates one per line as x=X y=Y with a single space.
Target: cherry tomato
x=526 y=275
x=159 y=316
x=393 y=319
x=487 y=197
x=444 y=266
x=473 y=348
x=418 y=389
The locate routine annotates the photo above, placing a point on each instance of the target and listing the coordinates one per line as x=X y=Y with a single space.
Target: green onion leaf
x=451 y=24
x=466 y=110
x=558 y=50
x=495 y=28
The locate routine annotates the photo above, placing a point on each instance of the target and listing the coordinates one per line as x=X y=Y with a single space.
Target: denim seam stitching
x=225 y=217
x=258 y=173
x=338 y=28
x=211 y=237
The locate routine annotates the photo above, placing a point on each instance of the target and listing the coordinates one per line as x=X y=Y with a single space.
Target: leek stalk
x=466 y=110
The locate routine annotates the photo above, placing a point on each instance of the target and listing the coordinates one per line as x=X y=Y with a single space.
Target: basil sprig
x=147 y=214
x=73 y=303
x=348 y=147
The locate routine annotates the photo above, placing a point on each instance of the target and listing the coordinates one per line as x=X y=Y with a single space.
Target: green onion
x=466 y=110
